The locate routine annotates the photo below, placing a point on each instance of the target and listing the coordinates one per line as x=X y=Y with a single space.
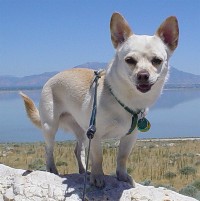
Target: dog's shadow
x=112 y=191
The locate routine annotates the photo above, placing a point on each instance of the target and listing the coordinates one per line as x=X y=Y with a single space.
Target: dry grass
x=167 y=163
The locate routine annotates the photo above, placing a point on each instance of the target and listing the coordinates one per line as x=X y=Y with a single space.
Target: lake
x=176 y=114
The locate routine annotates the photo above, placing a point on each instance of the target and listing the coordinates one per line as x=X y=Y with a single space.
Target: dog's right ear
x=119 y=29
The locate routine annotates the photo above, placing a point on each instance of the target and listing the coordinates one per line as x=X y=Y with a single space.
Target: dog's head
x=143 y=59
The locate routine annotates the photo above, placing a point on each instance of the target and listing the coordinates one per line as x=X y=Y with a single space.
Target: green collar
x=142 y=124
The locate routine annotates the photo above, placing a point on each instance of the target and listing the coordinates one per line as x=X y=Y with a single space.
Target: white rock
x=9 y=195
x=44 y=186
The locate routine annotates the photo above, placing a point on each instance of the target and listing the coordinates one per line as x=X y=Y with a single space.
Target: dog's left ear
x=120 y=30
x=169 y=32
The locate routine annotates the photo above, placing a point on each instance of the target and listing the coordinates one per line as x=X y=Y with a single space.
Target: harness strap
x=92 y=126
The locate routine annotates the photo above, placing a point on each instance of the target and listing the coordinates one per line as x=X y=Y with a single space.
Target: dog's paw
x=126 y=178
x=97 y=180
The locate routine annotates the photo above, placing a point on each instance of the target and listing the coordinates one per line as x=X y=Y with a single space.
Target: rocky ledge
x=23 y=185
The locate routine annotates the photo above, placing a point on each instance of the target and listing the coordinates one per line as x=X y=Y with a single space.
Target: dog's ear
x=119 y=29
x=169 y=32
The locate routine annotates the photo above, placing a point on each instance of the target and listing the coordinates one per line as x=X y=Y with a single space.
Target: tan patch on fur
x=79 y=81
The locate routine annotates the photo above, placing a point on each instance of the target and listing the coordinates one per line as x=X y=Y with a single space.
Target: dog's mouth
x=144 y=87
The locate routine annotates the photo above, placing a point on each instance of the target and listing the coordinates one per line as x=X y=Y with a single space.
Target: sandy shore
x=168 y=139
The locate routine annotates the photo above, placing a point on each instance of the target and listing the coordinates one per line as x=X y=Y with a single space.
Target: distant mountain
x=92 y=65
x=177 y=79
x=32 y=81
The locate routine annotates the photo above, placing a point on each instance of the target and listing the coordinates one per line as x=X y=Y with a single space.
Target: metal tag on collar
x=143 y=125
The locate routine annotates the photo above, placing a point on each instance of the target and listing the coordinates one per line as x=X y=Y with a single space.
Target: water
x=176 y=114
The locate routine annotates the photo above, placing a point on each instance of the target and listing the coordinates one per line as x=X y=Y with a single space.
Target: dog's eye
x=131 y=61
x=156 y=61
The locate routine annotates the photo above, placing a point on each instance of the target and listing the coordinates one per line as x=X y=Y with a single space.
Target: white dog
x=131 y=84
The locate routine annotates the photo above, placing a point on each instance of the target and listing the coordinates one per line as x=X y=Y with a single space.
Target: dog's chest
x=114 y=125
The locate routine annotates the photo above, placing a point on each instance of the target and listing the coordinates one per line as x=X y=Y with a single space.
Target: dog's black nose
x=143 y=76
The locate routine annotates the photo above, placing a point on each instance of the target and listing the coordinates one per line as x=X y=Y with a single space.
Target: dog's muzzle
x=144 y=87
x=143 y=84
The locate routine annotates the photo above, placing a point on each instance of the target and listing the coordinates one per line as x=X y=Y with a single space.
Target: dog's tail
x=31 y=110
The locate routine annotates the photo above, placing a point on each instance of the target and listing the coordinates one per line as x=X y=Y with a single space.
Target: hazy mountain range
x=177 y=79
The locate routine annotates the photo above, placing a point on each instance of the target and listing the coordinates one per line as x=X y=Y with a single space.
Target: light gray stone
x=44 y=186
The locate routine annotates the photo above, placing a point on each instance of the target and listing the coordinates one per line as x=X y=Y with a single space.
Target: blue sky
x=39 y=36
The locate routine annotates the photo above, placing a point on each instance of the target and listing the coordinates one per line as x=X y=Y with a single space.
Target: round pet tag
x=143 y=125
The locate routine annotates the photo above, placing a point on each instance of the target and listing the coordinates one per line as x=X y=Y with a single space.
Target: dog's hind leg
x=49 y=136
x=49 y=113
x=125 y=148
x=79 y=151
x=70 y=124
x=80 y=155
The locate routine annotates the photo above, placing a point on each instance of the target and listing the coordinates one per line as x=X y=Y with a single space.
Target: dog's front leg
x=125 y=147
x=97 y=175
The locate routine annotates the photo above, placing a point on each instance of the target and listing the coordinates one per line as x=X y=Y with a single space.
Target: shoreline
x=110 y=140
x=169 y=139
x=175 y=87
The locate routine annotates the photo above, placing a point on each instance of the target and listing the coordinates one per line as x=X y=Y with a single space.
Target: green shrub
x=37 y=164
x=189 y=190
x=175 y=155
x=16 y=145
x=188 y=170
x=146 y=182
x=169 y=175
x=151 y=146
x=30 y=151
x=196 y=184
x=61 y=163
x=17 y=151
x=197 y=196
x=129 y=170
x=190 y=155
